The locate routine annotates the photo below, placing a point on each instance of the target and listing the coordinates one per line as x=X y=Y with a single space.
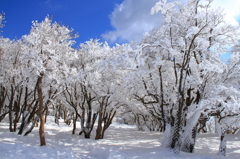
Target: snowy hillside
x=121 y=141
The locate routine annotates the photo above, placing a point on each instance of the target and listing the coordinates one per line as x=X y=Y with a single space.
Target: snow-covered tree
x=2 y=17
x=92 y=90
x=47 y=47
x=79 y=92
x=177 y=66
x=111 y=100
x=11 y=82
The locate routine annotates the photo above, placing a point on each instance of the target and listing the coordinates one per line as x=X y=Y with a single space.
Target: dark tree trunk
x=23 y=124
x=40 y=111
x=31 y=128
x=106 y=119
x=74 y=124
x=3 y=95
x=74 y=127
x=27 y=119
x=87 y=135
x=99 y=128
x=11 y=110
x=17 y=109
x=89 y=126
x=162 y=100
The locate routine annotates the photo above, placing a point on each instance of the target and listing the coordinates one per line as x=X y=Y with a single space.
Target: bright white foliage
x=2 y=17
x=184 y=53
x=47 y=52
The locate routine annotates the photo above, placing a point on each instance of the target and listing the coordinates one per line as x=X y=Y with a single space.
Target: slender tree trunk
x=27 y=118
x=108 y=123
x=11 y=110
x=74 y=124
x=99 y=128
x=74 y=127
x=162 y=99
x=24 y=123
x=17 y=108
x=15 y=121
x=87 y=131
x=31 y=128
x=40 y=111
x=3 y=95
x=106 y=120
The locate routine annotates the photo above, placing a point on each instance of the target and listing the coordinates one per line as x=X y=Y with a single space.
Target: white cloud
x=132 y=18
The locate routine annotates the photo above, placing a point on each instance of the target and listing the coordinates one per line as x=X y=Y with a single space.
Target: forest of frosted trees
x=173 y=81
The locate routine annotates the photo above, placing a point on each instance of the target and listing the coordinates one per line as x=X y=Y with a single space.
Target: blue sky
x=108 y=20
x=90 y=18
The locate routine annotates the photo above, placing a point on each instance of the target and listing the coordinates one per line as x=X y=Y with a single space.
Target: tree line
x=173 y=81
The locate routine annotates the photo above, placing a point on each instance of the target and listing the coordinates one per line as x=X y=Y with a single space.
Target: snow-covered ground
x=121 y=141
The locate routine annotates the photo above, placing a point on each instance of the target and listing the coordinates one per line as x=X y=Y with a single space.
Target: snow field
x=121 y=142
